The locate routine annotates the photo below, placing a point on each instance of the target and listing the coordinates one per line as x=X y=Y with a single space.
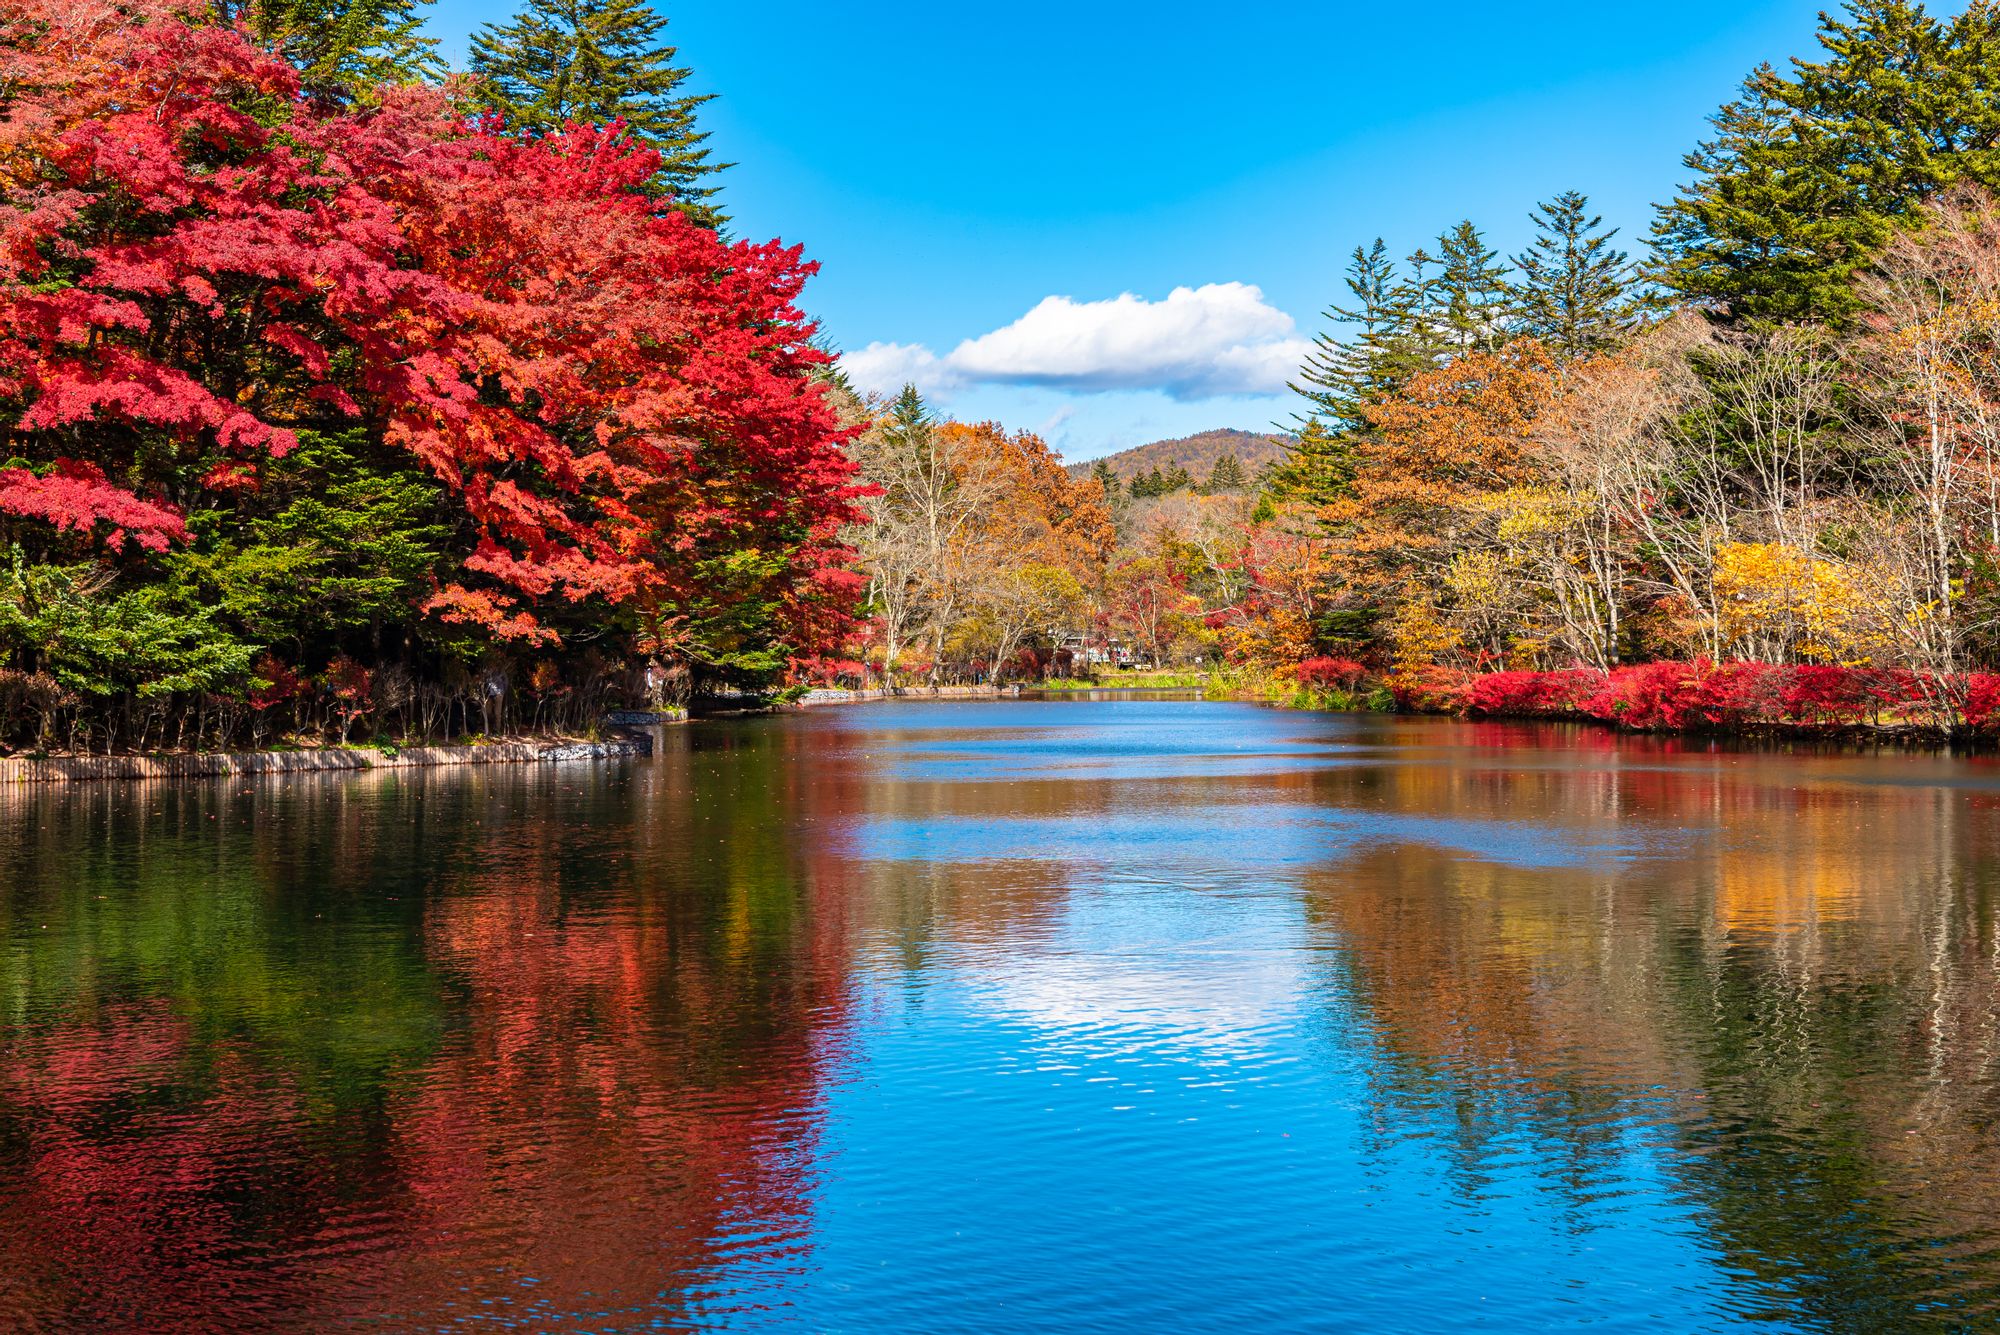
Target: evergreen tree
x=1472 y=293
x=1150 y=484
x=1806 y=176
x=596 y=61
x=1575 y=293
x=1318 y=467
x=1107 y=478
x=1417 y=337
x=344 y=48
x=1340 y=373
x=1176 y=479
x=1227 y=475
x=909 y=421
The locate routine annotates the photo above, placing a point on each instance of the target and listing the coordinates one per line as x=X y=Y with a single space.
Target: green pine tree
x=1575 y=293
x=343 y=49
x=1472 y=293
x=1342 y=373
x=1417 y=339
x=596 y=61
x=1806 y=176
x=1318 y=467
x=1227 y=475
x=1175 y=479
x=909 y=420
x=1107 y=478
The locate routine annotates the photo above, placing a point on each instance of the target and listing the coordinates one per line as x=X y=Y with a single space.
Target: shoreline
x=25 y=770
x=632 y=737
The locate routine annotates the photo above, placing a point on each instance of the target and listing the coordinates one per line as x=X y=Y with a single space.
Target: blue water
x=1037 y=1015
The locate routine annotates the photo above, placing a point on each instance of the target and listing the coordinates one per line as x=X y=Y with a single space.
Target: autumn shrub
x=1698 y=694
x=1982 y=701
x=275 y=683
x=1533 y=694
x=350 y=687
x=1816 y=694
x=1344 y=673
x=1432 y=690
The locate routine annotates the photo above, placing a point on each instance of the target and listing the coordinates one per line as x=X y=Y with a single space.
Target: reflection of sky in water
x=1152 y=1105
x=1149 y=753
x=1243 y=836
x=1165 y=1050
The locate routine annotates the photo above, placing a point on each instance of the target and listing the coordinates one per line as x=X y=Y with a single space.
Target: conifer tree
x=1318 y=467
x=1472 y=293
x=1575 y=293
x=1340 y=373
x=1807 y=175
x=596 y=61
x=1227 y=475
x=1417 y=340
x=1107 y=478
x=344 y=48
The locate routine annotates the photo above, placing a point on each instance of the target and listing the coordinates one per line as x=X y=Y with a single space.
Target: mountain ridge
x=1196 y=453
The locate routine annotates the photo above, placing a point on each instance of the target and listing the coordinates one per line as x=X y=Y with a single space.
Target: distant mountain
x=1196 y=453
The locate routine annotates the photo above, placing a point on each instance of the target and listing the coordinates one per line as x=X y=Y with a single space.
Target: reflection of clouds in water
x=1235 y=1003
x=1255 y=835
x=1132 y=973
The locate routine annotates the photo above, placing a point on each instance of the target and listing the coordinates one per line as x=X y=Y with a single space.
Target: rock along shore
x=61 y=769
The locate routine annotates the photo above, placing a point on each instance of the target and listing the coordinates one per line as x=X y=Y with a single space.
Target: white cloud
x=884 y=368
x=1198 y=343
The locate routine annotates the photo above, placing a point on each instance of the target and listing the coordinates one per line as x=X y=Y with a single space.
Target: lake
x=1071 y=1014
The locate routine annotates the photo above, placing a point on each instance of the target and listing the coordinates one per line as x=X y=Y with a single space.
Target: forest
x=1749 y=476
x=353 y=400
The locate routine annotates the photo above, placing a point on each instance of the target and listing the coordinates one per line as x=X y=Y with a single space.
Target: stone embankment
x=60 y=769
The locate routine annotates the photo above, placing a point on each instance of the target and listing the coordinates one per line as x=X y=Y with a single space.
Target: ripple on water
x=1096 y=1016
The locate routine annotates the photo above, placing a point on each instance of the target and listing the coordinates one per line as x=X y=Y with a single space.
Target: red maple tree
x=201 y=262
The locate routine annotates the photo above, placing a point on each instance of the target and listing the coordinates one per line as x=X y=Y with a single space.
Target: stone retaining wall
x=60 y=769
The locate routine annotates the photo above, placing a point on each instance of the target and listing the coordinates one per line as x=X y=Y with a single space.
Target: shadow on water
x=1090 y=1014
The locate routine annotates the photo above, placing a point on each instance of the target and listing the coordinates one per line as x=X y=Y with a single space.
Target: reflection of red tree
x=626 y=1087
x=622 y=1101
x=134 y=1150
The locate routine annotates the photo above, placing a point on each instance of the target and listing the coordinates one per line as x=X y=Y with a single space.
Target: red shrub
x=1667 y=697
x=1533 y=694
x=284 y=684
x=1729 y=693
x=1326 y=672
x=1835 y=694
x=1982 y=700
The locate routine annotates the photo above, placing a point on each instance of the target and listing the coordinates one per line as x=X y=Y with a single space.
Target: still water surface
x=1064 y=1015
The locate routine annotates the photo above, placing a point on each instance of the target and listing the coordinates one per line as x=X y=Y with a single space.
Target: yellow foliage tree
x=1781 y=603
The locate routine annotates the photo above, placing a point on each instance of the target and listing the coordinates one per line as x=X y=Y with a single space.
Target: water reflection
x=1040 y=1014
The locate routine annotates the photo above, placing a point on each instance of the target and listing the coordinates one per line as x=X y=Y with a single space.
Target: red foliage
x=75 y=497
x=1437 y=690
x=1982 y=700
x=1831 y=694
x=283 y=683
x=1673 y=696
x=1533 y=694
x=612 y=393
x=1669 y=697
x=352 y=687
x=1344 y=673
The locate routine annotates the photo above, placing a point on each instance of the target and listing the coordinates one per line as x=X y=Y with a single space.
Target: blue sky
x=1005 y=199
